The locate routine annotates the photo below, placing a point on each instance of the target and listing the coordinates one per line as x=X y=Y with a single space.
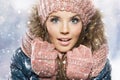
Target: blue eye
x=54 y=20
x=75 y=20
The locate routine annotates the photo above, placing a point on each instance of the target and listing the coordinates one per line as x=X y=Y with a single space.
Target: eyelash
x=75 y=19
x=54 y=20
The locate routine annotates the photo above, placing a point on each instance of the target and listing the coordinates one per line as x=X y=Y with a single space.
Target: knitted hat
x=85 y=8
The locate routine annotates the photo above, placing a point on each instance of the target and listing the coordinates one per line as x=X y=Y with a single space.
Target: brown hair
x=92 y=35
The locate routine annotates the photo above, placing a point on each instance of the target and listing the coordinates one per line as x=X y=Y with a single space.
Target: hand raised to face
x=43 y=58
x=79 y=63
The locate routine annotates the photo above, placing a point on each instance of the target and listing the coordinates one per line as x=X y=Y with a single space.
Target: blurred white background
x=13 y=20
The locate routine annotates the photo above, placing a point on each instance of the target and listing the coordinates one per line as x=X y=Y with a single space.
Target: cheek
x=52 y=31
x=76 y=31
x=76 y=36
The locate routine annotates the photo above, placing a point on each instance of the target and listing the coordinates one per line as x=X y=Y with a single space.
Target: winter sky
x=13 y=20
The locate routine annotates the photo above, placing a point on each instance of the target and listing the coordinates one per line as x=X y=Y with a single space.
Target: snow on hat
x=84 y=8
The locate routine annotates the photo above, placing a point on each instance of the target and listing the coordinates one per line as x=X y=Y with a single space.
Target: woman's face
x=64 y=29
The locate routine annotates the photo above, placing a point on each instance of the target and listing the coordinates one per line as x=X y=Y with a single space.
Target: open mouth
x=64 y=41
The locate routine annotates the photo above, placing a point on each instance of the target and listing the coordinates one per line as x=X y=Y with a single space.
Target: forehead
x=64 y=14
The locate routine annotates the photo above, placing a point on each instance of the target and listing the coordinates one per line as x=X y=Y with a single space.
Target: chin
x=63 y=50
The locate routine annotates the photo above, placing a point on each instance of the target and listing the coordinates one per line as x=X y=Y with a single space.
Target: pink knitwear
x=84 y=8
x=98 y=58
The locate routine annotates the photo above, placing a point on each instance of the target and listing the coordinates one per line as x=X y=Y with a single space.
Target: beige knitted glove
x=79 y=63
x=43 y=58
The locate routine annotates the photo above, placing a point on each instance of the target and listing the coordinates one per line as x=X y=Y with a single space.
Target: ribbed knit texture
x=98 y=57
x=84 y=8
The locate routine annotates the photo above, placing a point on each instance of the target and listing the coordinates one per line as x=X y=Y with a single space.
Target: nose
x=64 y=28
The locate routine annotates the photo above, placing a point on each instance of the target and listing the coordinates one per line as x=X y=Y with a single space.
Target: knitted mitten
x=79 y=63
x=43 y=58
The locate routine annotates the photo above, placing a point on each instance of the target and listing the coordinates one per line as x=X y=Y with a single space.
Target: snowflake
x=19 y=11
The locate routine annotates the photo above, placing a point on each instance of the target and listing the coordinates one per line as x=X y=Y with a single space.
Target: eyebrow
x=77 y=15
x=70 y=17
x=54 y=16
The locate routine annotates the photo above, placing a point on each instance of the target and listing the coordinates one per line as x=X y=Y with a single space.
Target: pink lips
x=64 y=41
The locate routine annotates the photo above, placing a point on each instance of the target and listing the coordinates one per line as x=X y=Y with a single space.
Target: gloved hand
x=99 y=60
x=79 y=63
x=43 y=58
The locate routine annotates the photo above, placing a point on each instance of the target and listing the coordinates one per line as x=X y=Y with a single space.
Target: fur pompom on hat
x=84 y=8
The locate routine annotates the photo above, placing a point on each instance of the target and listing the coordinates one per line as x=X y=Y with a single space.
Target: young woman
x=65 y=41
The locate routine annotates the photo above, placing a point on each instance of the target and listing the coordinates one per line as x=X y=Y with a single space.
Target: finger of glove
x=72 y=60
x=74 y=71
x=78 y=66
x=52 y=55
x=79 y=62
x=85 y=51
x=44 y=68
x=47 y=46
x=42 y=49
x=82 y=54
x=77 y=72
x=49 y=55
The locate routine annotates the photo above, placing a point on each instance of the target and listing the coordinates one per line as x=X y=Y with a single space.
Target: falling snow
x=13 y=20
